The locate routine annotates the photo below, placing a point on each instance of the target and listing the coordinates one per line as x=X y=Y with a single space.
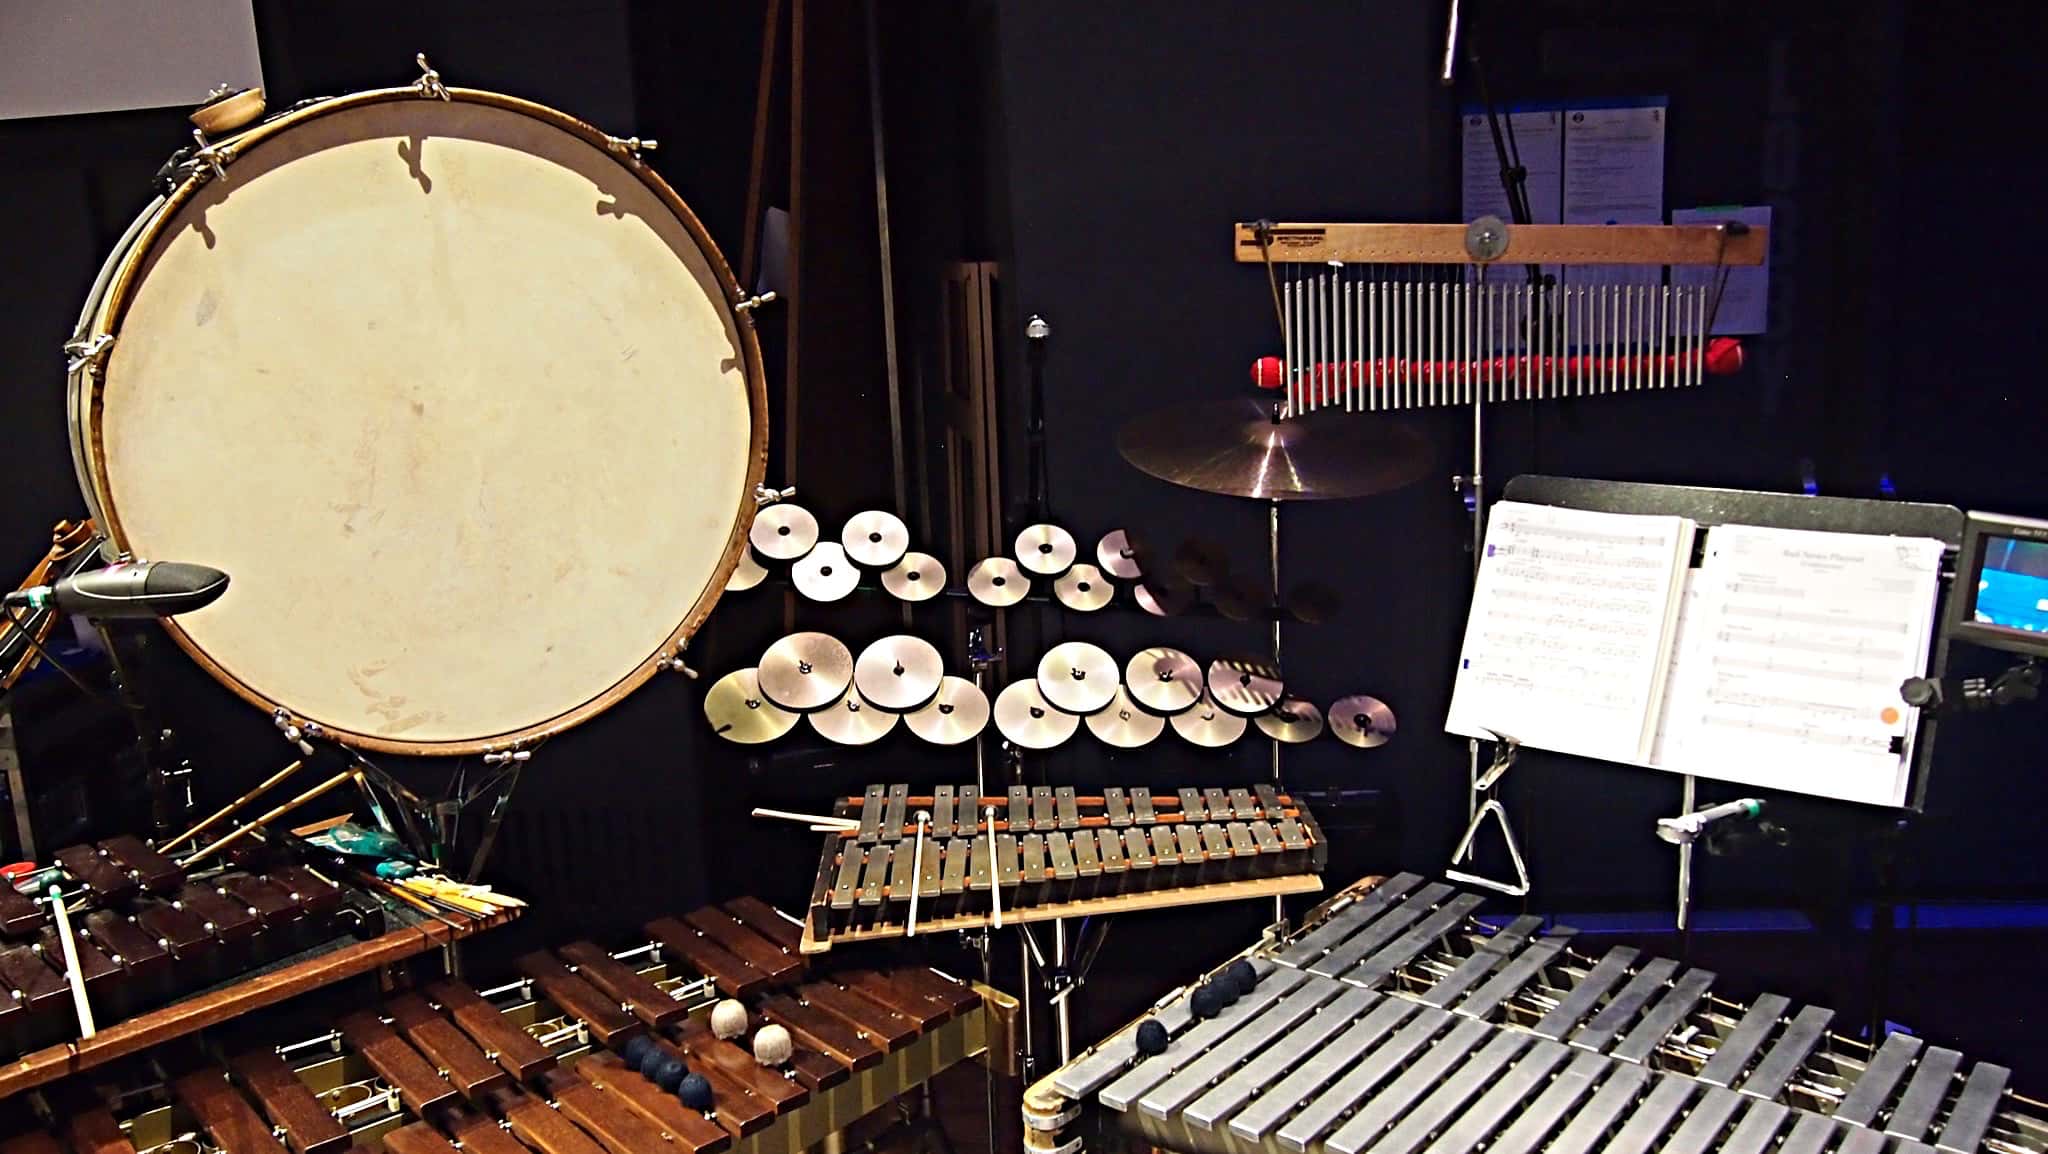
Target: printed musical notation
x=1570 y=621
x=1786 y=673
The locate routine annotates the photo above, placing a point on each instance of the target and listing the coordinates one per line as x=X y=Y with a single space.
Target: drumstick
x=273 y=815
x=229 y=808
x=72 y=976
x=816 y=821
x=916 y=871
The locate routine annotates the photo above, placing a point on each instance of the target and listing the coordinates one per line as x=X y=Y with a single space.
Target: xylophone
x=586 y=1051
x=1035 y=853
x=162 y=950
x=1394 y=1023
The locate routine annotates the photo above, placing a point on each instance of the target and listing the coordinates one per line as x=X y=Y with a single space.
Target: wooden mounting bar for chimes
x=1682 y=244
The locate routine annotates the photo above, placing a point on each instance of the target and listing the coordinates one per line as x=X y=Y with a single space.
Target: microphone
x=128 y=590
x=1684 y=828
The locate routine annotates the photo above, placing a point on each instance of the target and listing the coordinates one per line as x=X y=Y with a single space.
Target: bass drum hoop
x=105 y=313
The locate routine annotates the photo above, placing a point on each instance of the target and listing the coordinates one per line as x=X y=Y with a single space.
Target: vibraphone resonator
x=714 y=1036
x=1393 y=1022
x=954 y=859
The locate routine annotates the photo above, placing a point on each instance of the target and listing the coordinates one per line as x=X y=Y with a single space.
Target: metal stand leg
x=1685 y=805
x=1273 y=558
x=1059 y=961
x=17 y=785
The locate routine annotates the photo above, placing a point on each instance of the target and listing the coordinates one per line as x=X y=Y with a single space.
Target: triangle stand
x=1504 y=750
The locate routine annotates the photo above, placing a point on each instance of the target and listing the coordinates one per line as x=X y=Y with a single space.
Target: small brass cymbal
x=783 y=532
x=737 y=711
x=899 y=672
x=1121 y=553
x=997 y=582
x=957 y=713
x=1244 y=686
x=1083 y=588
x=875 y=539
x=851 y=721
x=1077 y=677
x=806 y=671
x=1362 y=721
x=917 y=577
x=1122 y=724
x=1164 y=597
x=1025 y=718
x=1292 y=720
x=1164 y=680
x=1046 y=550
x=824 y=573
x=1209 y=724
x=747 y=574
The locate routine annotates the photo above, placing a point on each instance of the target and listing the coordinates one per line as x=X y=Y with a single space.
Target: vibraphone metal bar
x=537 y=1065
x=162 y=953
x=1393 y=1023
x=1039 y=853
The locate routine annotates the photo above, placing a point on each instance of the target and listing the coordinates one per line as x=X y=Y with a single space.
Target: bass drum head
x=455 y=396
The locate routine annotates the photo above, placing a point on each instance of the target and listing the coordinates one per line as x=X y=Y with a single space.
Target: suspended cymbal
x=1244 y=686
x=1361 y=721
x=783 y=532
x=899 y=673
x=918 y=577
x=1292 y=720
x=851 y=721
x=956 y=714
x=1121 y=553
x=1201 y=562
x=1083 y=588
x=1209 y=724
x=1235 y=448
x=1046 y=550
x=824 y=573
x=1164 y=680
x=1077 y=677
x=1312 y=603
x=1026 y=718
x=1166 y=597
x=737 y=711
x=875 y=539
x=747 y=574
x=997 y=582
x=1241 y=599
x=806 y=671
x=1122 y=724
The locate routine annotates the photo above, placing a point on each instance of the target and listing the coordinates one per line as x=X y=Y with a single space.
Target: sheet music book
x=1777 y=662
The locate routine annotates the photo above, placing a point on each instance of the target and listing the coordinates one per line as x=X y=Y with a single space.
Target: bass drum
x=455 y=392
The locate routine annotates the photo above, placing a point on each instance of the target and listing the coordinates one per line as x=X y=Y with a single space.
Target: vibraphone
x=162 y=951
x=1394 y=1023
x=586 y=1052
x=1037 y=853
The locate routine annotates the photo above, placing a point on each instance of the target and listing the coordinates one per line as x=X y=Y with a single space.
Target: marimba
x=1394 y=1023
x=159 y=947
x=1037 y=853
x=586 y=1051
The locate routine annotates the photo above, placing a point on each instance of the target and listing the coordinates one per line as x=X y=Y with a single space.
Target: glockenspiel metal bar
x=1196 y=1077
x=1264 y=1067
x=1970 y=1118
x=1512 y=978
x=1758 y=1128
x=1708 y=1118
x=1562 y=1095
x=1652 y=1120
x=1586 y=993
x=1929 y=1085
x=1322 y=1112
x=1411 y=910
x=1272 y=1108
x=1503 y=1098
x=1375 y=968
x=1860 y=1141
x=1669 y=1011
x=1347 y=921
x=1881 y=1075
x=1126 y=1090
x=1735 y=1050
x=1785 y=1056
x=1810 y=1135
x=1114 y=1055
x=1606 y=1025
x=1450 y=1095
x=1428 y=1070
x=1602 y=1111
x=1489 y=954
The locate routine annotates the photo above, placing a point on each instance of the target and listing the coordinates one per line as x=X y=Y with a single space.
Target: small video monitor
x=2001 y=591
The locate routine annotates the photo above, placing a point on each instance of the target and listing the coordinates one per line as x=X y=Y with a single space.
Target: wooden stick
x=273 y=815
x=816 y=821
x=72 y=976
x=229 y=808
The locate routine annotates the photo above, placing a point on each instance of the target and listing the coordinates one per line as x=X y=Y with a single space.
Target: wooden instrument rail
x=538 y=1065
x=165 y=955
x=1642 y=244
x=1048 y=852
x=1393 y=1022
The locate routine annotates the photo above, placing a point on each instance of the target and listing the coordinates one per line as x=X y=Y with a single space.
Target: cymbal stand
x=979 y=658
x=1273 y=558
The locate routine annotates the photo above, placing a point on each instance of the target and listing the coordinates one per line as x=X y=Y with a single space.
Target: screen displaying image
x=2012 y=587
